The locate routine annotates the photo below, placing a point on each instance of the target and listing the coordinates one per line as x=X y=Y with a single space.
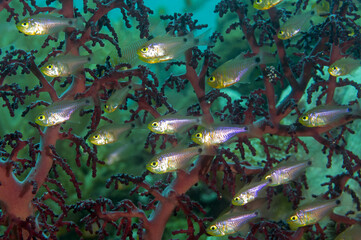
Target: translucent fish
x=311 y=213
x=230 y=223
x=265 y=4
x=250 y=192
x=344 y=66
x=327 y=115
x=118 y=97
x=173 y=160
x=237 y=70
x=294 y=25
x=42 y=24
x=286 y=172
x=351 y=233
x=322 y=8
x=65 y=65
x=172 y=123
x=168 y=47
x=109 y=133
x=217 y=135
x=60 y=112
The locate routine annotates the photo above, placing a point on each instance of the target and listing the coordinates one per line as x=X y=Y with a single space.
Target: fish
x=351 y=233
x=311 y=213
x=61 y=111
x=231 y=222
x=250 y=192
x=237 y=70
x=52 y=24
x=118 y=97
x=322 y=8
x=167 y=47
x=265 y=4
x=321 y=116
x=294 y=25
x=109 y=133
x=65 y=65
x=217 y=135
x=286 y=172
x=174 y=159
x=172 y=123
x=344 y=66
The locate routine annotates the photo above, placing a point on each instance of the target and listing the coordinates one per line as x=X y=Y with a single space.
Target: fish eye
x=155 y=124
x=144 y=50
x=211 y=79
x=41 y=117
x=304 y=118
x=96 y=136
x=106 y=106
x=258 y=1
x=281 y=32
x=213 y=227
x=294 y=218
x=237 y=199
x=154 y=164
x=24 y=24
x=198 y=135
x=50 y=66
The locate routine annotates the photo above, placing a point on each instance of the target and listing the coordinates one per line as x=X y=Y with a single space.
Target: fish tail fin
x=203 y=39
x=207 y=150
x=79 y=23
x=265 y=56
x=356 y=109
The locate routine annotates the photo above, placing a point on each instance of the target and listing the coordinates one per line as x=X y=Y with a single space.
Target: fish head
x=283 y=34
x=215 y=80
x=27 y=26
x=335 y=71
x=263 y=4
x=239 y=200
x=45 y=119
x=215 y=229
x=153 y=53
x=306 y=119
x=53 y=69
x=159 y=127
x=155 y=165
x=199 y=137
x=295 y=221
x=110 y=107
x=99 y=138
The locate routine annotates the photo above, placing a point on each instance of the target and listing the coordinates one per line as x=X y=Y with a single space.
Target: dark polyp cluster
x=52 y=180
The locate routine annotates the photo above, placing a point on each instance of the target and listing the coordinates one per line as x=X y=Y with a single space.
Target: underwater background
x=249 y=93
